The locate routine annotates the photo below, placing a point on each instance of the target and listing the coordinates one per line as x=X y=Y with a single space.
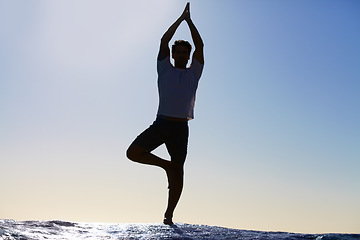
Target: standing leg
x=176 y=181
x=175 y=137
x=177 y=148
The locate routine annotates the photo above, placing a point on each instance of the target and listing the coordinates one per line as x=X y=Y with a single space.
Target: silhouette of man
x=177 y=87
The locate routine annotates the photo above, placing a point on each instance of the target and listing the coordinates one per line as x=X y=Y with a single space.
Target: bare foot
x=168 y=221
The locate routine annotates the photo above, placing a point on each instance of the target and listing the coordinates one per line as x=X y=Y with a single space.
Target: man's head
x=181 y=53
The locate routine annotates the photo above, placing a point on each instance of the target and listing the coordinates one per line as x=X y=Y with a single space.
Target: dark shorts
x=174 y=134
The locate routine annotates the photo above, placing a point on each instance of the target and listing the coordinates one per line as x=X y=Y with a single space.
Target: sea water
x=56 y=230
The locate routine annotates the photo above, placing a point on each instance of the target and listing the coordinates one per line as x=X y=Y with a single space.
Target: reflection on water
x=31 y=230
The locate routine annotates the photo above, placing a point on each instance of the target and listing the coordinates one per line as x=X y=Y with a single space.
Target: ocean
x=37 y=230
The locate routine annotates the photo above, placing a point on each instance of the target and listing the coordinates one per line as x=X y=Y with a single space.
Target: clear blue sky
x=275 y=140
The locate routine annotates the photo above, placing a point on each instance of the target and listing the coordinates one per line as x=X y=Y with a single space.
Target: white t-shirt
x=177 y=88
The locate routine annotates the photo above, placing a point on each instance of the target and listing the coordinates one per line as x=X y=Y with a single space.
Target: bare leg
x=176 y=181
x=174 y=172
x=140 y=155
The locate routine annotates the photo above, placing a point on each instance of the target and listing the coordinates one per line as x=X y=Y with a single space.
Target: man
x=177 y=87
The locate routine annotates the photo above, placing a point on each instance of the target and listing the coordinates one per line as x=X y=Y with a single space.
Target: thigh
x=150 y=138
x=177 y=143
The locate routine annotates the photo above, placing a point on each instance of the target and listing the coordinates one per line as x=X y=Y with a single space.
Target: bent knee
x=131 y=153
x=134 y=152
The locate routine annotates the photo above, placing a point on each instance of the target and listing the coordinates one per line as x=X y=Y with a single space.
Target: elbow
x=165 y=40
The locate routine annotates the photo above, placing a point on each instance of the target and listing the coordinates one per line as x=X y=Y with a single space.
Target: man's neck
x=180 y=66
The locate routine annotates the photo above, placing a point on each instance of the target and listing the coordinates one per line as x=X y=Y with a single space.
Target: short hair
x=181 y=43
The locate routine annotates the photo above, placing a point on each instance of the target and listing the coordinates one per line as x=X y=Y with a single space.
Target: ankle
x=168 y=215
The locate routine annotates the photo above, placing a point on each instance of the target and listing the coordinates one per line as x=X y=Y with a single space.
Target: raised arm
x=198 y=42
x=164 y=44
